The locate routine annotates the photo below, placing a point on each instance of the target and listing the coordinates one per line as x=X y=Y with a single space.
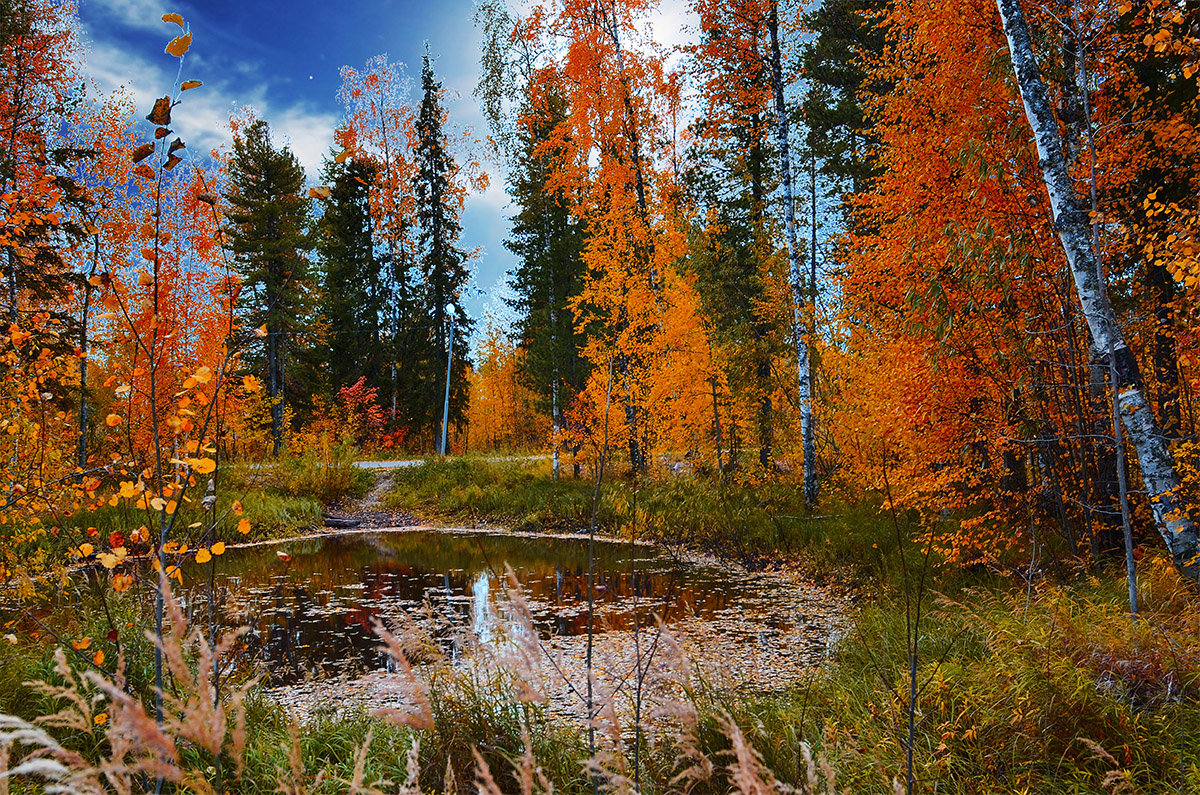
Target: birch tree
x=795 y=267
x=1072 y=221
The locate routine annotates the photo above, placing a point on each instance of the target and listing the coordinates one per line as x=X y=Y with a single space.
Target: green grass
x=752 y=522
x=1015 y=682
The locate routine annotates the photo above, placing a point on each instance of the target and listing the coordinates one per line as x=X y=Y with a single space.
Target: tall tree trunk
x=804 y=374
x=81 y=453
x=1072 y=221
x=1166 y=361
x=275 y=389
x=766 y=422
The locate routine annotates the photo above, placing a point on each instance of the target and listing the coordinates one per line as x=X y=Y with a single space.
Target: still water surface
x=313 y=615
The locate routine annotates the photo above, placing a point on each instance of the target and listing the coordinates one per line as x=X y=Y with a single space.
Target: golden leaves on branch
x=161 y=114
x=179 y=45
x=142 y=152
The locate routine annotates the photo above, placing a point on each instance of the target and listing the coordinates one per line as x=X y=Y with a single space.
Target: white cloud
x=141 y=14
x=202 y=120
x=308 y=133
x=672 y=22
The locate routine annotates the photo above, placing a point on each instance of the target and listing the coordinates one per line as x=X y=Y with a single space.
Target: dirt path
x=369 y=511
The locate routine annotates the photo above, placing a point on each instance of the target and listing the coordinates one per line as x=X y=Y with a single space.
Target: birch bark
x=803 y=368
x=1072 y=221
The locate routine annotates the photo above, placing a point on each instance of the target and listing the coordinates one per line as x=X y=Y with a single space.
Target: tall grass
x=750 y=521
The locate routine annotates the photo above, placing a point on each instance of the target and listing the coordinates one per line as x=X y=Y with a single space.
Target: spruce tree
x=730 y=176
x=547 y=242
x=835 y=64
x=269 y=240
x=443 y=264
x=353 y=291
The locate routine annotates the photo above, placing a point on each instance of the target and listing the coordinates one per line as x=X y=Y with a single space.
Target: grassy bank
x=1022 y=685
x=1042 y=685
x=753 y=523
x=279 y=499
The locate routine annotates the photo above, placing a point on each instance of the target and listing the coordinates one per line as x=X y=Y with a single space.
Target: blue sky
x=283 y=59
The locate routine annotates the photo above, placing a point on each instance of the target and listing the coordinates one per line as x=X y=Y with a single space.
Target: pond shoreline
x=740 y=649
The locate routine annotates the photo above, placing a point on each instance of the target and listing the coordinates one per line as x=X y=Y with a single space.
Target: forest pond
x=311 y=605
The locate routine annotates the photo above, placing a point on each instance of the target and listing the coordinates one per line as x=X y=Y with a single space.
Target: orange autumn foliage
x=962 y=364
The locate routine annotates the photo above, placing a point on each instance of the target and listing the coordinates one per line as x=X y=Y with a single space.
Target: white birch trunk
x=1072 y=221
x=803 y=368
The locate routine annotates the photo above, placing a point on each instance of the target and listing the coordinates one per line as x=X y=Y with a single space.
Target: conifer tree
x=548 y=242
x=38 y=84
x=268 y=238
x=443 y=264
x=835 y=65
x=353 y=290
x=730 y=177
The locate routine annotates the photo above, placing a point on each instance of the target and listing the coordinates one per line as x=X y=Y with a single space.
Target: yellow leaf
x=80 y=645
x=319 y=192
x=100 y=719
x=86 y=549
x=179 y=45
x=243 y=526
x=342 y=156
x=161 y=114
x=202 y=555
x=251 y=384
x=112 y=420
x=107 y=560
x=202 y=466
x=176 y=18
x=121 y=582
x=187 y=85
x=261 y=331
x=98 y=657
x=203 y=375
x=218 y=548
x=237 y=507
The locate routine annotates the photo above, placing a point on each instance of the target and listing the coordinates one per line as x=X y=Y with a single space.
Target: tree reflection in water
x=313 y=615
